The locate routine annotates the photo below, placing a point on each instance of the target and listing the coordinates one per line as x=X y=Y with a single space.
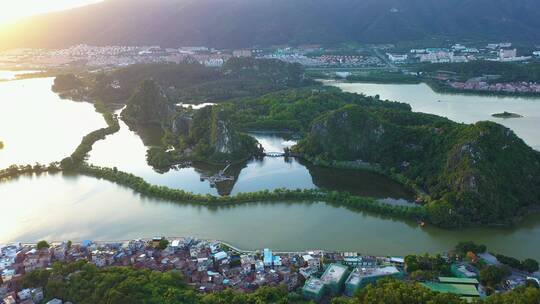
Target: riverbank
x=439 y=87
x=435 y=85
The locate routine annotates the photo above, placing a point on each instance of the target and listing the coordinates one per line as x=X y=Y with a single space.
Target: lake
x=10 y=75
x=459 y=108
x=61 y=207
x=126 y=150
x=36 y=125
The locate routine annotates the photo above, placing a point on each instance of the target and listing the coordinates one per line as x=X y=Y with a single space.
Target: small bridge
x=274 y=154
x=224 y=169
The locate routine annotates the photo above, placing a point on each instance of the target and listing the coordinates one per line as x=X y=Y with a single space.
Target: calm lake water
x=460 y=108
x=10 y=75
x=38 y=126
x=127 y=151
x=62 y=207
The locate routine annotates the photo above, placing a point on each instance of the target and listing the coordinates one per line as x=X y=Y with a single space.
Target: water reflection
x=126 y=151
x=11 y=75
x=37 y=126
x=62 y=207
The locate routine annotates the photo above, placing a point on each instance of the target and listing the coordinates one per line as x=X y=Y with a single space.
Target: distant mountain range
x=244 y=23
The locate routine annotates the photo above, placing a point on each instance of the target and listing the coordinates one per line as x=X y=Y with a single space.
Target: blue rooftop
x=267 y=256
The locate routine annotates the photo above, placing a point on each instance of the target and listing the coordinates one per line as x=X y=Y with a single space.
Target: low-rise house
x=314 y=289
x=333 y=277
x=24 y=294
x=360 y=277
x=10 y=299
x=267 y=257
x=311 y=261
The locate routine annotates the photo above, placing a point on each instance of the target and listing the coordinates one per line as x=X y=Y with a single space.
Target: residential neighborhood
x=211 y=266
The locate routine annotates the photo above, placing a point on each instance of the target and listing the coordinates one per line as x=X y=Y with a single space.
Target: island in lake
x=506 y=115
x=450 y=166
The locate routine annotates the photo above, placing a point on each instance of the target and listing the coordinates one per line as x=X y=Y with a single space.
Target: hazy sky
x=12 y=10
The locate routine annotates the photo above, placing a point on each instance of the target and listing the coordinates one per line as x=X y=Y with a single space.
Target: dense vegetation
x=78 y=157
x=187 y=82
x=245 y=23
x=454 y=168
x=147 y=105
x=152 y=90
x=463 y=248
x=391 y=291
x=294 y=110
x=507 y=71
x=212 y=137
x=528 y=265
x=426 y=267
x=82 y=283
x=347 y=200
x=457 y=165
x=18 y=170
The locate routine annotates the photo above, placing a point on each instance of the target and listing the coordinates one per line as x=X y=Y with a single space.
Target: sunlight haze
x=12 y=10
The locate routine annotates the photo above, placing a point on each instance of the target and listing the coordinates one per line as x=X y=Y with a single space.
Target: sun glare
x=13 y=10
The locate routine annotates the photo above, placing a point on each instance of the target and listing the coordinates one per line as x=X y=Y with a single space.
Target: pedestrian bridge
x=274 y=154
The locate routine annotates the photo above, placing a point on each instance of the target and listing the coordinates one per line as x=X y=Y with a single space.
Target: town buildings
x=361 y=277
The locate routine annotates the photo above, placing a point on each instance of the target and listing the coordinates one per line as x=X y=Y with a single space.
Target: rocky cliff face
x=350 y=133
x=181 y=124
x=148 y=105
x=481 y=173
x=223 y=138
x=212 y=136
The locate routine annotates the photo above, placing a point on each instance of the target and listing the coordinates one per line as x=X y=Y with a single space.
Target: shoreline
x=209 y=240
x=439 y=88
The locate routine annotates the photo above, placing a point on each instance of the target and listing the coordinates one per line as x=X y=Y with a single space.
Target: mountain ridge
x=245 y=23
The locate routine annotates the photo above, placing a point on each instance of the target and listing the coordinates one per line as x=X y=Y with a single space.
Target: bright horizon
x=14 y=10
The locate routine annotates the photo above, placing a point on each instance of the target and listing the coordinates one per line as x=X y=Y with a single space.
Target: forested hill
x=243 y=23
x=480 y=173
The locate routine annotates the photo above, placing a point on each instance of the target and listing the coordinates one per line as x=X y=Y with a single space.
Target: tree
x=392 y=291
x=493 y=275
x=521 y=294
x=532 y=283
x=69 y=244
x=462 y=248
x=36 y=278
x=163 y=244
x=510 y=261
x=42 y=245
x=530 y=265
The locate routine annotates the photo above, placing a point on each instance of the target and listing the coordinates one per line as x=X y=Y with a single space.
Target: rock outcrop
x=148 y=105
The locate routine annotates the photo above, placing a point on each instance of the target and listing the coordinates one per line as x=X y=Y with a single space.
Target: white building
x=312 y=261
x=507 y=54
x=343 y=74
x=397 y=58
x=459 y=47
